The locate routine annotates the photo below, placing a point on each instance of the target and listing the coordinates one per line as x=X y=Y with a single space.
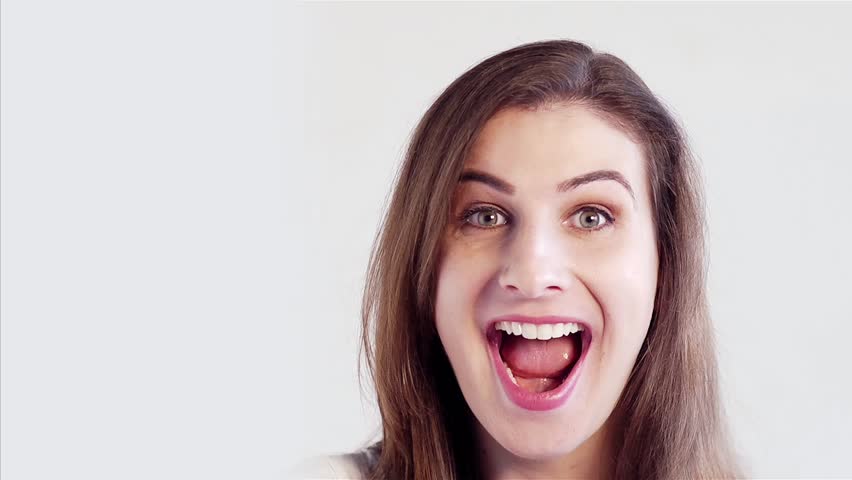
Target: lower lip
x=530 y=400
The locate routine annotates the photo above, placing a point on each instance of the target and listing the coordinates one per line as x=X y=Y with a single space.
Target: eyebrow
x=471 y=175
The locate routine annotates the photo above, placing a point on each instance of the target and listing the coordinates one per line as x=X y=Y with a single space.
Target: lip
x=550 y=399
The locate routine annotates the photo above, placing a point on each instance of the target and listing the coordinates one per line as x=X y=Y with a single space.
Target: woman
x=535 y=304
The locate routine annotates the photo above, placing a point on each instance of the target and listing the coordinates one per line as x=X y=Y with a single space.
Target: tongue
x=542 y=361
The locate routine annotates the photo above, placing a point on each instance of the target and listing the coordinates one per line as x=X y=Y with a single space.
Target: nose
x=537 y=262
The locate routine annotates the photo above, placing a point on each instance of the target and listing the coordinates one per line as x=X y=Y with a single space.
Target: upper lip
x=540 y=320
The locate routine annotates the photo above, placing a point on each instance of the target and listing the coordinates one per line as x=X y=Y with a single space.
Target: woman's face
x=551 y=224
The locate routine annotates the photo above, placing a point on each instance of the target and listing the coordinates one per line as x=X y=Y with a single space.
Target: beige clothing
x=350 y=466
x=339 y=467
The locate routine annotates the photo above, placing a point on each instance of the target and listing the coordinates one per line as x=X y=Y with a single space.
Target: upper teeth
x=544 y=331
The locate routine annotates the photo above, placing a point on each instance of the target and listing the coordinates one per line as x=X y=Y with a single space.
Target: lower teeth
x=515 y=380
x=512 y=376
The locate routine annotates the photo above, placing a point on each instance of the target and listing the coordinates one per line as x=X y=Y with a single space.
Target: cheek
x=461 y=279
x=464 y=271
x=625 y=283
x=630 y=281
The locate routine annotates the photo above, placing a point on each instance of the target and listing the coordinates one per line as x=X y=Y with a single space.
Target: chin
x=537 y=437
x=540 y=444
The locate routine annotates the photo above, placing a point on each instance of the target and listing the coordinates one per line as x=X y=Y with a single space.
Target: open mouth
x=538 y=363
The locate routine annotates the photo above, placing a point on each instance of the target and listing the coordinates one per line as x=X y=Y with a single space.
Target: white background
x=190 y=191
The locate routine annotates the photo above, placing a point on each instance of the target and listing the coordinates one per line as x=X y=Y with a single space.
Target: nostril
x=533 y=292
x=533 y=283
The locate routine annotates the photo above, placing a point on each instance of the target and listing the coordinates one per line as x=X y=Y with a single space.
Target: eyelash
x=465 y=216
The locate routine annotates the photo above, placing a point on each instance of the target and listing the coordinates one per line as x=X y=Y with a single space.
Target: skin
x=536 y=252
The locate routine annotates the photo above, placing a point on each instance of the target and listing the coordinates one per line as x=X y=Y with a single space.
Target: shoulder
x=342 y=467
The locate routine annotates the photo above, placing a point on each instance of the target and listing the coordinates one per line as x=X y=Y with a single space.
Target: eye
x=484 y=217
x=592 y=218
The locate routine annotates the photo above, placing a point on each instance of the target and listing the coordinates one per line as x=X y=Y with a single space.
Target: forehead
x=535 y=149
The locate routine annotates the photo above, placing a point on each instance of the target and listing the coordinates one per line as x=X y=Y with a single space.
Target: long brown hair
x=671 y=422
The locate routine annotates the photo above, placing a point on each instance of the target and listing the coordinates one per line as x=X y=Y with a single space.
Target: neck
x=591 y=460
